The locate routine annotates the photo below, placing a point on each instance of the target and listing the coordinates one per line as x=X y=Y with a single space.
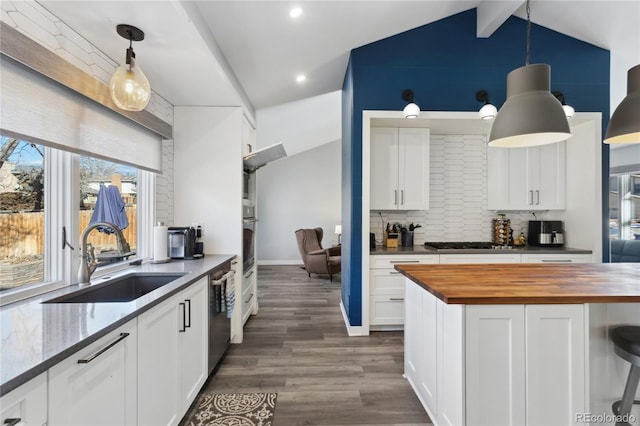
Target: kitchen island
x=517 y=343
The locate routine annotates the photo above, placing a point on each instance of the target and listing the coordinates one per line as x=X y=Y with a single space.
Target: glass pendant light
x=129 y=87
x=624 y=126
x=531 y=115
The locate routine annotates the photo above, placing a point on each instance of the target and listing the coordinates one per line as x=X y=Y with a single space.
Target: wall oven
x=249 y=222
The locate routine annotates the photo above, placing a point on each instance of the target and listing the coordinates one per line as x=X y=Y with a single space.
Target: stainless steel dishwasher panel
x=219 y=317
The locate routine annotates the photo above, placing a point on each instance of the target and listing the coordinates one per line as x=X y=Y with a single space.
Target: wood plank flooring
x=297 y=346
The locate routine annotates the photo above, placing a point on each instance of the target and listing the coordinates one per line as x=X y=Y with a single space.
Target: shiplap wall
x=457 y=196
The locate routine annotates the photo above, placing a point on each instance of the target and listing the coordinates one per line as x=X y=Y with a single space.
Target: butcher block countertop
x=531 y=283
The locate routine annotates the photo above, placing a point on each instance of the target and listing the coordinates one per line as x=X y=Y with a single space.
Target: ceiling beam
x=493 y=13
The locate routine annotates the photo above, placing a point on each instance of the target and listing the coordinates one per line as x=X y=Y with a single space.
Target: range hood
x=259 y=158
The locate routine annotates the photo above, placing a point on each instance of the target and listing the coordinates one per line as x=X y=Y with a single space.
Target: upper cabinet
x=527 y=178
x=399 y=168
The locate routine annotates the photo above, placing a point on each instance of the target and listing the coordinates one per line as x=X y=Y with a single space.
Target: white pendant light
x=531 y=115
x=411 y=110
x=624 y=125
x=129 y=87
x=569 y=111
x=488 y=111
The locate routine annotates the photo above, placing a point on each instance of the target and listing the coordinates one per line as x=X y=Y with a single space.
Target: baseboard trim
x=280 y=262
x=352 y=330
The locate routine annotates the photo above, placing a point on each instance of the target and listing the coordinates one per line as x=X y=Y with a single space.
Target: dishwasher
x=221 y=303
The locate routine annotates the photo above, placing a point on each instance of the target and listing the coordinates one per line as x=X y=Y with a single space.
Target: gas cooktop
x=464 y=245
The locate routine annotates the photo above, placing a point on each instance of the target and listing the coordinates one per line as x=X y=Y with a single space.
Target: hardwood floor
x=297 y=346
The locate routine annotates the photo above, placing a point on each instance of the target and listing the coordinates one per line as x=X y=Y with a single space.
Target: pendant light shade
x=129 y=87
x=624 y=126
x=411 y=110
x=531 y=115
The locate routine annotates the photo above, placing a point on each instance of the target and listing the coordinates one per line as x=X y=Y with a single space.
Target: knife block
x=390 y=239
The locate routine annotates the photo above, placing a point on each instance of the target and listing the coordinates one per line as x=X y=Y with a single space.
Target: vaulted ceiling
x=250 y=52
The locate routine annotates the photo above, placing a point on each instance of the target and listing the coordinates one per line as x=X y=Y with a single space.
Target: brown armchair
x=315 y=258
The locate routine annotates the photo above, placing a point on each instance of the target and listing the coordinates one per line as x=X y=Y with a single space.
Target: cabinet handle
x=188 y=304
x=404 y=261
x=16 y=421
x=394 y=273
x=249 y=274
x=249 y=299
x=537 y=197
x=395 y=197
x=402 y=197
x=396 y=299
x=95 y=355
x=184 y=318
x=557 y=260
x=530 y=197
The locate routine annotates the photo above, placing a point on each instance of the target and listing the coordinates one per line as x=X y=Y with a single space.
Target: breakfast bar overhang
x=517 y=344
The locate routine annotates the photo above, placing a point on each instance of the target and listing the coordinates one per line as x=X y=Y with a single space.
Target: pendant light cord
x=526 y=61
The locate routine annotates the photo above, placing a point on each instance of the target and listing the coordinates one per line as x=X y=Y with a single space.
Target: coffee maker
x=548 y=233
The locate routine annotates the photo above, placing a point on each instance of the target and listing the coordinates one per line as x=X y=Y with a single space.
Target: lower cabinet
x=249 y=296
x=496 y=364
x=96 y=385
x=26 y=405
x=386 y=294
x=172 y=345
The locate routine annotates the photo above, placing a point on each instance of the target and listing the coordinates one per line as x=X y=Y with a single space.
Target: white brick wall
x=164 y=186
x=457 y=197
x=37 y=23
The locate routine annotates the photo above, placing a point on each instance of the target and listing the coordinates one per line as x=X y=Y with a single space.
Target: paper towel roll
x=160 y=243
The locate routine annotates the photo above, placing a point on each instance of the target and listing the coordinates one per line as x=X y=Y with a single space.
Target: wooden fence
x=22 y=234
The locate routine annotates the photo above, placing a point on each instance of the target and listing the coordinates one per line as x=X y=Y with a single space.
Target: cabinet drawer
x=27 y=403
x=387 y=310
x=248 y=302
x=556 y=258
x=248 y=279
x=479 y=258
x=386 y=282
x=389 y=262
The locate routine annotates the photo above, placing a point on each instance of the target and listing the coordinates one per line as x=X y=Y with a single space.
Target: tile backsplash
x=457 y=196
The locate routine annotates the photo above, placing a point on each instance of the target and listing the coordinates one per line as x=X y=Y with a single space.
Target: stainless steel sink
x=121 y=289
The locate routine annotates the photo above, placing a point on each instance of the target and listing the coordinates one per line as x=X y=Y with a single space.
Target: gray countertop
x=36 y=336
x=380 y=250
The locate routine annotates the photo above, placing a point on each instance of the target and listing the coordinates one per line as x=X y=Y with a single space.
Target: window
x=22 y=206
x=47 y=195
x=95 y=176
x=624 y=206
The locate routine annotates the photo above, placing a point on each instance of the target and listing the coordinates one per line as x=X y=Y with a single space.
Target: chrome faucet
x=88 y=261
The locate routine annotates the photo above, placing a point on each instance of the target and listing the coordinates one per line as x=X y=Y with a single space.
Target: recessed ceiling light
x=295 y=12
x=300 y=78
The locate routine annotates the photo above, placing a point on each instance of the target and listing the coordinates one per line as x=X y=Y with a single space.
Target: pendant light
x=569 y=111
x=129 y=87
x=531 y=115
x=412 y=110
x=624 y=125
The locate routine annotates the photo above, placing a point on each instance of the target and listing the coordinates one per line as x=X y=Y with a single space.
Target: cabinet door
x=413 y=168
x=28 y=403
x=508 y=179
x=384 y=169
x=450 y=362
x=555 y=353
x=158 y=381
x=495 y=371
x=548 y=176
x=194 y=344
x=387 y=310
x=96 y=385
x=427 y=337
x=413 y=324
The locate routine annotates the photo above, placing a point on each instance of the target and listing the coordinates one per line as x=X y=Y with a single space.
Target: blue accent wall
x=445 y=64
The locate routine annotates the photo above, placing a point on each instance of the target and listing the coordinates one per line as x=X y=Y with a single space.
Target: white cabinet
x=27 y=404
x=399 y=169
x=556 y=258
x=480 y=258
x=167 y=382
x=434 y=354
x=527 y=178
x=248 y=137
x=249 y=301
x=386 y=289
x=96 y=385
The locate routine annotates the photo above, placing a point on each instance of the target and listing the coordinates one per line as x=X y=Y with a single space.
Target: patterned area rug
x=234 y=409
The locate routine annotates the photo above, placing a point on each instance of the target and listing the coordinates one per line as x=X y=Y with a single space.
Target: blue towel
x=109 y=208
